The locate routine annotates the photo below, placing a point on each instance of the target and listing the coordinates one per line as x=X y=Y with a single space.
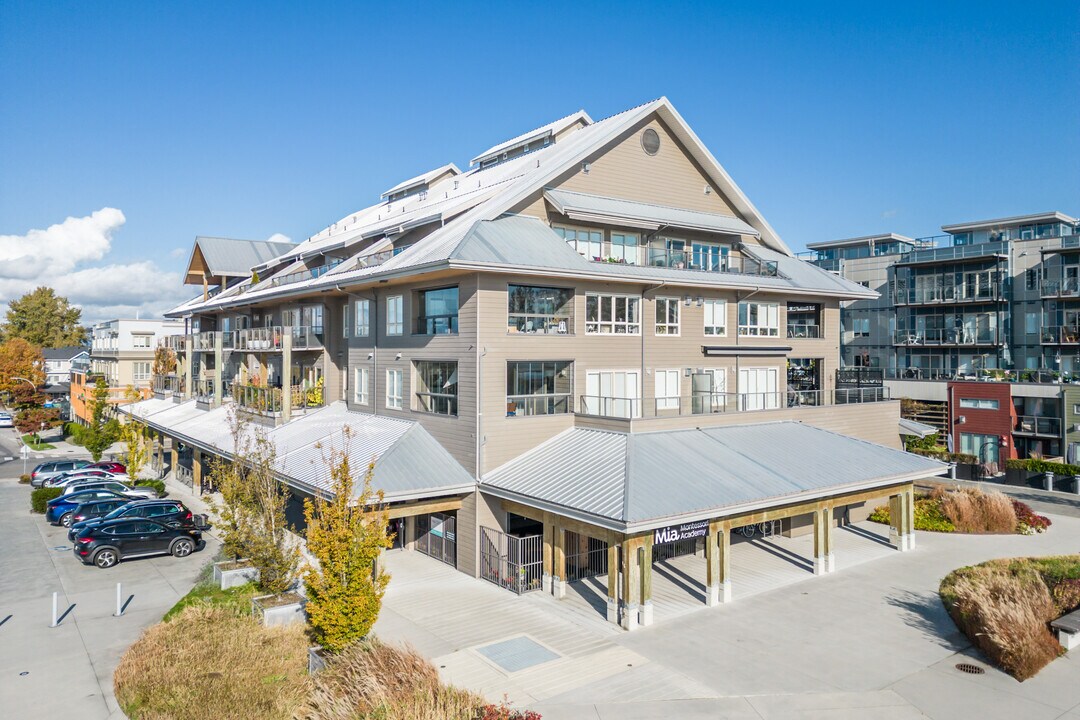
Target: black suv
x=94 y=509
x=110 y=542
x=170 y=512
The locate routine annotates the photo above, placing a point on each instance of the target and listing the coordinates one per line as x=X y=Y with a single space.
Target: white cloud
x=888 y=214
x=179 y=252
x=65 y=256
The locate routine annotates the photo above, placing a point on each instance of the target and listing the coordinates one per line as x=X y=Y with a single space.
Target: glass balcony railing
x=168 y=385
x=804 y=330
x=207 y=341
x=305 y=274
x=176 y=343
x=956 y=252
x=688 y=260
x=437 y=324
x=1034 y=425
x=539 y=324
x=1060 y=335
x=712 y=403
x=949 y=294
x=263 y=339
x=946 y=336
x=269 y=400
x=1067 y=287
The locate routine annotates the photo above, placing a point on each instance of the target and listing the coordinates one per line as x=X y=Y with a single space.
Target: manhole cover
x=970 y=669
x=517 y=653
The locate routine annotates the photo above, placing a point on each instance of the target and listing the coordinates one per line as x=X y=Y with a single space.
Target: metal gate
x=436 y=537
x=585 y=557
x=514 y=563
x=674 y=549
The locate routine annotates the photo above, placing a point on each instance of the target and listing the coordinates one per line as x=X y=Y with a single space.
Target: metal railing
x=437 y=403
x=176 y=343
x=257 y=398
x=548 y=404
x=539 y=324
x=306 y=274
x=684 y=260
x=1060 y=335
x=168 y=384
x=804 y=330
x=713 y=403
x=1035 y=425
x=204 y=392
x=959 y=293
x=206 y=341
x=513 y=563
x=946 y=336
x=1066 y=287
x=955 y=252
x=437 y=324
x=835 y=265
x=263 y=339
x=586 y=556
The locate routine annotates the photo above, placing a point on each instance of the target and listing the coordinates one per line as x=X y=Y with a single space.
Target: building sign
x=676 y=533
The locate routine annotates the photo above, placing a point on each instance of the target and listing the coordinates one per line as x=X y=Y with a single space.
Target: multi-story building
x=60 y=361
x=584 y=353
x=122 y=352
x=996 y=299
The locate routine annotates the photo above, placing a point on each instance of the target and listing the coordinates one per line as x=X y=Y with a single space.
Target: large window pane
x=533 y=309
x=438 y=311
x=538 y=388
x=436 y=387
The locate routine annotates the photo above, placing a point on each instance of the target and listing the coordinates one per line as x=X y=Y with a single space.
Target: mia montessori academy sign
x=675 y=533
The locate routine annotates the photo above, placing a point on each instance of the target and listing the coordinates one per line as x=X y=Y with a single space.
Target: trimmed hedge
x=946 y=456
x=24 y=479
x=1037 y=465
x=158 y=485
x=40 y=498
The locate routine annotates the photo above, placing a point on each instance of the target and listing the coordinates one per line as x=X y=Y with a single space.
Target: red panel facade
x=983 y=421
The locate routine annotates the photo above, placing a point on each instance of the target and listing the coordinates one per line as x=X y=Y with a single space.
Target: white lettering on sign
x=675 y=533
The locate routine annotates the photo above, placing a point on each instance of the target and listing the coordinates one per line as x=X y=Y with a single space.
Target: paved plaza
x=869 y=639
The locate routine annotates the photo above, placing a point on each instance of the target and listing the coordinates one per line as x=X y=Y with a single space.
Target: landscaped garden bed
x=972 y=511
x=1005 y=608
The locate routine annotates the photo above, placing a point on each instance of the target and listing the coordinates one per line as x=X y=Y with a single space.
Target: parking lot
x=47 y=672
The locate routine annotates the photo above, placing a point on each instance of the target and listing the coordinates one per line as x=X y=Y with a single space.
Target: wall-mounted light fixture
x=586 y=167
x=686 y=301
x=700 y=301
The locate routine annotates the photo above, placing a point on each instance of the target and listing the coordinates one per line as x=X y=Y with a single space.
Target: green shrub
x=158 y=485
x=24 y=479
x=945 y=456
x=74 y=433
x=928 y=515
x=39 y=499
x=1038 y=465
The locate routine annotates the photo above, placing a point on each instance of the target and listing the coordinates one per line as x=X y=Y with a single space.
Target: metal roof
x=1052 y=216
x=226 y=256
x=552 y=128
x=860 y=241
x=423 y=179
x=915 y=428
x=597 y=208
x=64 y=353
x=647 y=479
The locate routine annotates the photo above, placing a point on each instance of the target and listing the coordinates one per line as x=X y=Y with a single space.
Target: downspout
x=373 y=317
x=479 y=387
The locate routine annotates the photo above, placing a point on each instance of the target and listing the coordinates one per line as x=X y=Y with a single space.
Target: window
x=667 y=316
x=360 y=395
x=667 y=389
x=612 y=314
x=140 y=341
x=290 y=318
x=438 y=311
x=759 y=388
x=140 y=371
x=983 y=447
x=716 y=318
x=394 y=391
x=1031 y=323
x=394 y=315
x=759 y=319
x=978 y=403
x=624 y=248
x=436 y=387
x=860 y=327
x=710 y=257
x=612 y=393
x=362 y=317
x=1031 y=278
x=345 y=321
x=532 y=309
x=588 y=243
x=313 y=318
x=538 y=388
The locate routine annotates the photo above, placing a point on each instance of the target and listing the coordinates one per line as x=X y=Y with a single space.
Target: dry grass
x=971 y=510
x=373 y=680
x=210 y=662
x=1004 y=607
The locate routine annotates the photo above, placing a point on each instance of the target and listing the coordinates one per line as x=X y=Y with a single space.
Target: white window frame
x=137 y=340
x=589 y=243
x=345 y=321
x=628 y=252
x=667 y=327
x=360 y=394
x=362 y=318
x=663 y=379
x=769 y=328
x=395 y=377
x=598 y=326
x=395 y=315
x=627 y=404
x=138 y=376
x=714 y=308
x=979 y=404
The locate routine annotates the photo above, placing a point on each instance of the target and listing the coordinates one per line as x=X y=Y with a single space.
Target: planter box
x=279 y=610
x=965 y=471
x=231 y=573
x=316 y=659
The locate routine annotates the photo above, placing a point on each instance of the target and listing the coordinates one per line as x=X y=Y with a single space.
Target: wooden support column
x=160 y=450
x=820 y=544
x=830 y=559
x=613 y=579
x=631 y=583
x=409 y=542
x=219 y=367
x=896 y=520
x=196 y=470
x=286 y=374
x=174 y=459
x=558 y=571
x=548 y=552
x=909 y=519
x=718 y=563
x=644 y=553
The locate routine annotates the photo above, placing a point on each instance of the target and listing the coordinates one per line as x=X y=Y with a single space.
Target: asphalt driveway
x=48 y=672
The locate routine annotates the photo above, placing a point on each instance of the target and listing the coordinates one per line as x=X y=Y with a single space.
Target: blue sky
x=249 y=119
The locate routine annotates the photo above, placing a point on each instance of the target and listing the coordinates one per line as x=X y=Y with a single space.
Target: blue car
x=59 y=510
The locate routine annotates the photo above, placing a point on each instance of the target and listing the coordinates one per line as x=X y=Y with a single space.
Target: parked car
x=52 y=468
x=58 y=511
x=113 y=467
x=82 y=474
x=6 y=421
x=110 y=542
x=170 y=512
x=94 y=510
x=118 y=487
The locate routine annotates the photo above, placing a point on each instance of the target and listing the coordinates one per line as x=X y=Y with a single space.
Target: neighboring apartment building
x=587 y=352
x=60 y=361
x=121 y=351
x=995 y=299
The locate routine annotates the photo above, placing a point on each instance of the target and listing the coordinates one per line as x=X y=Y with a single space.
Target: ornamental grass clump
x=971 y=510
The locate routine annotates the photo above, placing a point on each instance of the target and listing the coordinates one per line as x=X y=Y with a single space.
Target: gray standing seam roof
x=567 y=201
x=226 y=256
x=660 y=476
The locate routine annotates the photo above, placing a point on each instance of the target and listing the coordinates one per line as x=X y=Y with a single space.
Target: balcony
x=1060 y=335
x=980 y=251
x=949 y=294
x=272 y=339
x=269 y=400
x=1069 y=287
x=721 y=403
x=204 y=393
x=176 y=343
x=804 y=330
x=685 y=260
x=938 y=337
x=168 y=385
x=302 y=275
x=1034 y=425
x=207 y=341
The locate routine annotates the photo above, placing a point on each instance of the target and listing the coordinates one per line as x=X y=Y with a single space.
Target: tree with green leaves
x=136 y=438
x=46 y=319
x=102 y=432
x=346 y=534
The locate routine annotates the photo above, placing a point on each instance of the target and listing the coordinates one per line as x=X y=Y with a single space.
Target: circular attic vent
x=650 y=141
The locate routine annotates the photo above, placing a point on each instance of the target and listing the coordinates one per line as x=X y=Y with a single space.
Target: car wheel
x=65 y=520
x=183 y=547
x=106 y=558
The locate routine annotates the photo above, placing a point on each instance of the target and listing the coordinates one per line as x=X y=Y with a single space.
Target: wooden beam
x=785 y=511
x=581 y=528
x=422 y=508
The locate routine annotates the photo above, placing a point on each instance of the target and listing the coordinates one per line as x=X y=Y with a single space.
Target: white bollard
x=119 y=610
x=53 y=610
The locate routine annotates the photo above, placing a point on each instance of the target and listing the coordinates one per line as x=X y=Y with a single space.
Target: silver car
x=52 y=468
x=83 y=474
x=117 y=487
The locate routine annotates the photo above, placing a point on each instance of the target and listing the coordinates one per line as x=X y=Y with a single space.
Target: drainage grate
x=970 y=669
x=517 y=653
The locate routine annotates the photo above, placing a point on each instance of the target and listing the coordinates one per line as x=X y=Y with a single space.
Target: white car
x=112 y=485
x=83 y=475
x=6 y=421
